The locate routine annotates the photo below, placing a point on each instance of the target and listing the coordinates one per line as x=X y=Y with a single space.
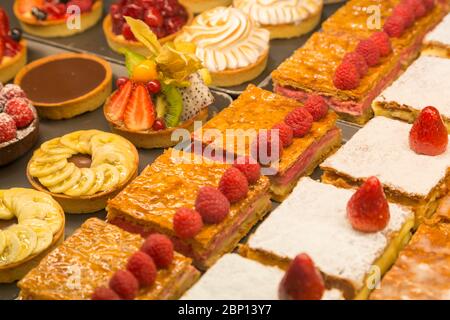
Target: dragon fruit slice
x=195 y=97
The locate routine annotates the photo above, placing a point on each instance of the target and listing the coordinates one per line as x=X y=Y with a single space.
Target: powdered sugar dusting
x=441 y=33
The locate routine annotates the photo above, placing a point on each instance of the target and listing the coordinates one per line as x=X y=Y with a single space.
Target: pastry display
x=83 y=169
x=205 y=207
x=234 y=277
x=19 y=124
x=66 y=85
x=307 y=134
x=102 y=262
x=422 y=84
x=165 y=18
x=230 y=44
x=320 y=220
x=13 y=50
x=437 y=42
x=164 y=92
x=57 y=18
x=390 y=150
x=283 y=18
x=38 y=228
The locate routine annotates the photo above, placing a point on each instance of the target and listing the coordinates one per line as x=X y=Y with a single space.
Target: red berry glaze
x=370 y=51
x=346 y=76
x=153 y=17
x=143 y=268
x=233 y=185
x=104 y=293
x=286 y=134
x=187 y=223
x=383 y=42
x=358 y=61
x=316 y=106
x=212 y=205
x=160 y=248
x=300 y=120
x=124 y=284
x=20 y=111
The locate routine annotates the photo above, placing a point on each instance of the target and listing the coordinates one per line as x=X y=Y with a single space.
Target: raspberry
x=300 y=120
x=251 y=168
x=266 y=147
x=429 y=4
x=143 y=268
x=346 y=77
x=358 y=61
x=212 y=205
x=187 y=223
x=286 y=134
x=104 y=293
x=233 y=185
x=8 y=128
x=394 y=26
x=406 y=12
x=369 y=50
x=316 y=106
x=124 y=284
x=418 y=8
x=20 y=111
x=383 y=42
x=160 y=248
x=12 y=91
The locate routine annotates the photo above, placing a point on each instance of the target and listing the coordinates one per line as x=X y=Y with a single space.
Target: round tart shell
x=58 y=28
x=197 y=6
x=71 y=108
x=10 y=68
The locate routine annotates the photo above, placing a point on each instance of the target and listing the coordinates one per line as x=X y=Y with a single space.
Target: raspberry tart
x=166 y=18
x=305 y=140
x=205 y=207
x=57 y=18
x=83 y=169
x=285 y=18
x=230 y=44
x=333 y=226
x=19 y=124
x=437 y=42
x=102 y=262
x=39 y=227
x=158 y=97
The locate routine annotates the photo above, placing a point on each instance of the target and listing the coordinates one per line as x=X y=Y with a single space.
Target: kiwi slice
x=174 y=106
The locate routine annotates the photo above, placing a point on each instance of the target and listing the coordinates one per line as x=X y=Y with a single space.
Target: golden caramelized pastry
x=88 y=259
x=83 y=169
x=39 y=228
x=197 y=6
x=151 y=201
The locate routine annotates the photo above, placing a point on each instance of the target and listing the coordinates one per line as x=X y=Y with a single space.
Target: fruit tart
x=164 y=92
x=19 y=123
x=38 y=228
x=83 y=169
x=197 y=6
x=103 y=262
x=166 y=18
x=57 y=18
x=13 y=50
x=230 y=44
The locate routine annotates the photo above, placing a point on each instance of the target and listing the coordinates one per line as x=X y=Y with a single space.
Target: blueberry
x=16 y=34
x=39 y=14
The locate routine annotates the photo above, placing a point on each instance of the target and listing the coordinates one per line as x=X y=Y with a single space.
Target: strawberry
x=346 y=76
x=368 y=209
x=370 y=51
x=250 y=168
x=104 y=293
x=302 y=280
x=187 y=223
x=160 y=248
x=233 y=185
x=4 y=23
x=316 y=106
x=212 y=205
x=143 y=268
x=406 y=12
x=428 y=135
x=119 y=101
x=382 y=41
x=394 y=26
x=140 y=111
x=300 y=120
x=358 y=61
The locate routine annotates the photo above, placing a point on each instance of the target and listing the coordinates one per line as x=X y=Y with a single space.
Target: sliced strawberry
x=4 y=23
x=140 y=111
x=119 y=101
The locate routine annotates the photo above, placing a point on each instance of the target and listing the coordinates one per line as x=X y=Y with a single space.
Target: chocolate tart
x=10 y=66
x=57 y=27
x=66 y=85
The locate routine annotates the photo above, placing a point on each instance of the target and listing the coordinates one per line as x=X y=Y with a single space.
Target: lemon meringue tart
x=197 y=6
x=230 y=44
x=83 y=169
x=39 y=228
x=283 y=18
x=66 y=85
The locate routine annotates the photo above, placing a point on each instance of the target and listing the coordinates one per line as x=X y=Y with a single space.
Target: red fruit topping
x=382 y=41
x=174 y=24
x=11 y=47
x=8 y=128
x=429 y=4
x=133 y=10
x=2 y=49
x=121 y=81
x=368 y=209
x=154 y=86
x=12 y=91
x=55 y=10
x=119 y=101
x=428 y=135
x=233 y=185
x=127 y=33
x=316 y=106
x=212 y=205
x=394 y=26
x=418 y=8
x=84 y=5
x=124 y=284
x=370 y=51
x=117 y=23
x=346 y=76
x=358 y=61
x=104 y=293
x=4 y=23
x=251 y=168
x=153 y=17
x=160 y=248
x=143 y=268
x=140 y=111
x=406 y=12
x=286 y=134
x=187 y=223
x=267 y=147
x=159 y=124
x=302 y=280
x=300 y=120
x=20 y=111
